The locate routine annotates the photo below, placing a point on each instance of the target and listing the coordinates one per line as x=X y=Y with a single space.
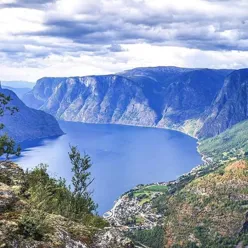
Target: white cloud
x=65 y=38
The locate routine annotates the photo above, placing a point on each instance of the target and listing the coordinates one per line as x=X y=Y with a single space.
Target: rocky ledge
x=14 y=204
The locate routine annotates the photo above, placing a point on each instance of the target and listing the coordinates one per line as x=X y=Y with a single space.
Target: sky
x=41 y=38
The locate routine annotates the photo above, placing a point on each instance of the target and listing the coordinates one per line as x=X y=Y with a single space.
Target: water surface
x=122 y=156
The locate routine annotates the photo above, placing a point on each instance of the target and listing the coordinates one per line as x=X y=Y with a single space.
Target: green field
x=144 y=194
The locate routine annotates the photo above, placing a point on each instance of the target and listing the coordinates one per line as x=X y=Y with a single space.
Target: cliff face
x=163 y=96
x=27 y=123
x=230 y=106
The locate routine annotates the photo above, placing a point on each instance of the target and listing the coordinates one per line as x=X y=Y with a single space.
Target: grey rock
x=160 y=97
x=230 y=106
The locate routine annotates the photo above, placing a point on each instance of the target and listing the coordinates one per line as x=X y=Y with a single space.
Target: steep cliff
x=230 y=106
x=162 y=96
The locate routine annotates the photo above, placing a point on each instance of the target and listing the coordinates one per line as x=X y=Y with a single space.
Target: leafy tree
x=81 y=180
x=7 y=144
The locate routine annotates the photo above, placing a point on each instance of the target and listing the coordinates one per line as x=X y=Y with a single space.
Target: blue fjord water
x=122 y=156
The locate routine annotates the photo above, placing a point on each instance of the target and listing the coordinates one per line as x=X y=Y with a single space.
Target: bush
x=54 y=196
x=33 y=225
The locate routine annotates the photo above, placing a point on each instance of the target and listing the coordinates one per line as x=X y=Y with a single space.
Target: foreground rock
x=60 y=232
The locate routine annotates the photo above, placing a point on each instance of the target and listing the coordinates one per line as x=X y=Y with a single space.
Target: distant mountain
x=230 y=106
x=161 y=96
x=18 y=84
x=27 y=123
x=20 y=92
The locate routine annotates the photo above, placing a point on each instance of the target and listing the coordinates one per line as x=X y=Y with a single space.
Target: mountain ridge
x=170 y=97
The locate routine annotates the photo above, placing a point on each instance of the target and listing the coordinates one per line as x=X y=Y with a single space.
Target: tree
x=7 y=144
x=81 y=181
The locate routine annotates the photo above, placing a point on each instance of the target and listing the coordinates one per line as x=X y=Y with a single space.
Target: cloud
x=208 y=26
x=108 y=30
x=32 y=4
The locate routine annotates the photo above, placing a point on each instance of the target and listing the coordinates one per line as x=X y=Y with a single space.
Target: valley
x=156 y=176
x=123 y=124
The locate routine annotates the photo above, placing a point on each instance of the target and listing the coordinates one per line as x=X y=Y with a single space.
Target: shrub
x=33 y=225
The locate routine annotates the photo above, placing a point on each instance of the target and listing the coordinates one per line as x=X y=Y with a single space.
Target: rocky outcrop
x=230 y=106
x=112 y=237
x=59 y=231
x=162 y=96
x=27 y=123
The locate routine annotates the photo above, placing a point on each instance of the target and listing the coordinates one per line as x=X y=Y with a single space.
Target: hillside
x=229 y=145
x=204 y=208
x=27 y=123
x=30 y=216
x=162 y=96
x=230 y=106
x=211 y=211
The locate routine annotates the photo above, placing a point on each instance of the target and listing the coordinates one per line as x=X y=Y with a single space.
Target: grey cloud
x=115 y=48
x=174 y=27
x=94 y=30
x=31 y=4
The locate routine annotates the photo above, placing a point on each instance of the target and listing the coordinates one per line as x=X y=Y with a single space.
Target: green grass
x=151 y=189
x=229 y=145
x=157 y=188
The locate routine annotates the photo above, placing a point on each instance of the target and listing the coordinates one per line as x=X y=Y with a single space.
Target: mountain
x=210 y=211
x=20 y=92
x=230 y=107
x=18 y=84
x=161 y=96
x=27 y=123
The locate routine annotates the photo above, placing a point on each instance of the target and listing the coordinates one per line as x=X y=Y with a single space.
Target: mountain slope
x=230 y=106
x=161 y=96
x=211 y=211
x=27 y=123
x=229 y=145
x=98 y=99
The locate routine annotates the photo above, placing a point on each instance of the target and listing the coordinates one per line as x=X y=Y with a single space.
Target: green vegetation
x=53 y=196
x=50 y=203
x=205 y=208
x=210 y=210
x=7 y=145
x=33 y=224
x=145 y=193
x=229 y=145
x=153 y=238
